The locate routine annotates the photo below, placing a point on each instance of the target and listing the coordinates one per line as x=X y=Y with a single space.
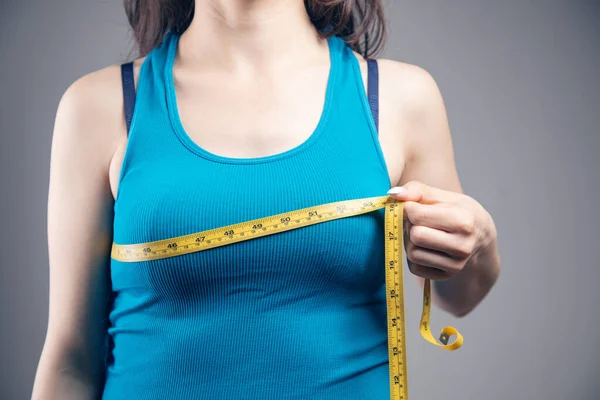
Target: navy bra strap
x=373 y=90
x=128 y=91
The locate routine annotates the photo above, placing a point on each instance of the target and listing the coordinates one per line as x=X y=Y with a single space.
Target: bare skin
x=234 y=63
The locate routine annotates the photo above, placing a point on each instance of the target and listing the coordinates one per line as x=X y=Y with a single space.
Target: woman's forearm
x=462 y=293
x=64 y=380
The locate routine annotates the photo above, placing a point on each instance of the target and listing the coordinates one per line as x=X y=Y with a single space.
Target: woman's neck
x=248 y=34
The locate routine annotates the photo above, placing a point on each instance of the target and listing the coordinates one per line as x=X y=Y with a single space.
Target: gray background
x=520 y=81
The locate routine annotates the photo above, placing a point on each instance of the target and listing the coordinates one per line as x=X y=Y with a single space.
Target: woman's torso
x=296 y=315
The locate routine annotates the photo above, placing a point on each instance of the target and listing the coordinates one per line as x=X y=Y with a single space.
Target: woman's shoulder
x=93 y=103
x=412 y=105
x=90 y=121
x=408 y=86
x=99 y=91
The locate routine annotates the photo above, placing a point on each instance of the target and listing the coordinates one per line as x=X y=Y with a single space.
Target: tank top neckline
x=186 y=140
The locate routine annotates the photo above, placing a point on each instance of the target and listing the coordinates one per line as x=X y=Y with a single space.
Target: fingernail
x=396 y=190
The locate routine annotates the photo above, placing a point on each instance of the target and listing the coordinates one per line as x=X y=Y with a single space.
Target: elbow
x=461 y=312
x=474 y=295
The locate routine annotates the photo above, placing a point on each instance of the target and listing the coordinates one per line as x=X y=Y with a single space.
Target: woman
x=245 y=109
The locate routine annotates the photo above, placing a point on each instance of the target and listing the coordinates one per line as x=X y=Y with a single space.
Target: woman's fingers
x=433 y=254
x=443 y=217
x=453 y=245
x=431 y=262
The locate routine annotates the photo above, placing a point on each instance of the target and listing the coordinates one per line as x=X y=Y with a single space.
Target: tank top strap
x=356 y=123
x=144 y=113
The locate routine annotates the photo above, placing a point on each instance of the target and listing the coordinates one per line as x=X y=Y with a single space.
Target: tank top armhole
x=370 y=106
x=131 y=107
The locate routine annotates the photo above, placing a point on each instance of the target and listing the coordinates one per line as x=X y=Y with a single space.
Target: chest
x=340 y=255
x=256 y=116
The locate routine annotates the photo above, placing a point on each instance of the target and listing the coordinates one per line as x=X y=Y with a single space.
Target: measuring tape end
x=445 y=338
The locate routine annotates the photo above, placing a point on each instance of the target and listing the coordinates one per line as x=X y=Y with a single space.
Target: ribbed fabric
x=296 y=315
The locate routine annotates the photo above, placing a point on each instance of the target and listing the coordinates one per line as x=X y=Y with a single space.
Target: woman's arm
x=80 y=217
x=449 y=231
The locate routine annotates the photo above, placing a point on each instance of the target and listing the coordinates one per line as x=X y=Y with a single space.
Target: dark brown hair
x=360 y=23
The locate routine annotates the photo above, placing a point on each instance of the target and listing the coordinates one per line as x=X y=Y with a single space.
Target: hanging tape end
x=444 y=338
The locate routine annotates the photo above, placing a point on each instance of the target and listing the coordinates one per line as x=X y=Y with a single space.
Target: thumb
x=410 y=191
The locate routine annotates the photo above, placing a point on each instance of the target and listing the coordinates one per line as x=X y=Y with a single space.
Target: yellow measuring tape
x=394 y=265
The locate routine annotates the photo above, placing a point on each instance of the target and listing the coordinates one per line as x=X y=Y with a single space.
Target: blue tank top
x=295 y=315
